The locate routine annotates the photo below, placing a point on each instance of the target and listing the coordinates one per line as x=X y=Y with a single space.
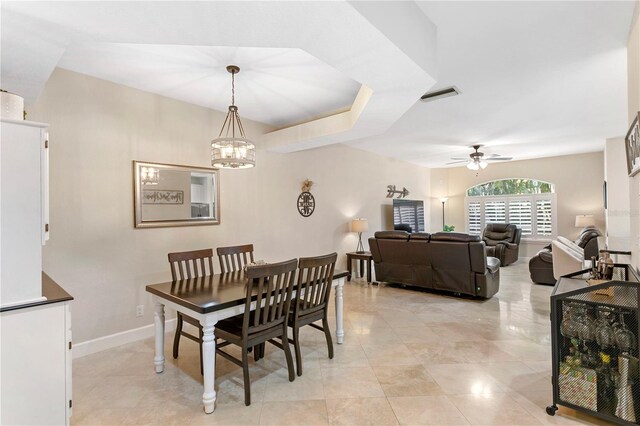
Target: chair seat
x=231 y=329
x=231 y=325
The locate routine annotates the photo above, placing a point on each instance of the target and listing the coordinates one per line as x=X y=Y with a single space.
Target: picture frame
x=632 y=147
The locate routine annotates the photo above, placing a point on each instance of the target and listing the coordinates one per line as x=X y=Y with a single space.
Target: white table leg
x=209 y=364
x=339 y=313
x=158 y=319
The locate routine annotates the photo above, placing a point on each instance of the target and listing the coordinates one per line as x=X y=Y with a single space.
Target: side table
x=362 y=257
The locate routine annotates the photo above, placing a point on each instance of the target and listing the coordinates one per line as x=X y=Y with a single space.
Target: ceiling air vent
x=439 y=94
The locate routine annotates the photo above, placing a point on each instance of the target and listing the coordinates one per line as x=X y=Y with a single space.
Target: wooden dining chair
x=187 y=265
x=270 y=287
x=234 y=258
x=311 y=303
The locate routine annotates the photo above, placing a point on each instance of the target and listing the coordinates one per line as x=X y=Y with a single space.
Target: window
x=475 y=220
x=409 y=212
x=494 y=212
x=526 y=203
x=520 y=214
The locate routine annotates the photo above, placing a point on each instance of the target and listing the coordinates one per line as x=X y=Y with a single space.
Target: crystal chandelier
x=227 y=150
x=149 y=175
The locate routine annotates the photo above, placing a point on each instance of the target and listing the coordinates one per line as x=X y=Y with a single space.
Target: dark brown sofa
x=443 y=261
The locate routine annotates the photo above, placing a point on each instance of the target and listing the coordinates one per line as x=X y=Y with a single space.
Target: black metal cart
x=594 y=337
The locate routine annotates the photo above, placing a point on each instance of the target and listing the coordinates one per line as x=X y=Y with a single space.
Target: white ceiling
x=537 y=78
x=276 y=86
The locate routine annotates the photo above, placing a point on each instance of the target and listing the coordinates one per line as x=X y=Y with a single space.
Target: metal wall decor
x=632 y=147
x=391 y=191
x=306 y=202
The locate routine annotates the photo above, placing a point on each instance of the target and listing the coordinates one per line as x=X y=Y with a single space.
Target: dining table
x=210 y=299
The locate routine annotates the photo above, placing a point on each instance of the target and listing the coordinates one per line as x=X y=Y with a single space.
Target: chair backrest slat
x=272 y=285
x=187 y=264
x=234 y=258
x=313 y=287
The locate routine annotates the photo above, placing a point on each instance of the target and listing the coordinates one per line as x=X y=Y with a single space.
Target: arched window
x=527 y=203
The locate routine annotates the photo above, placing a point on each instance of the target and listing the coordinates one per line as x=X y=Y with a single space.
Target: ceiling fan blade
x=458 y=162
x=499 y=159
x=460 y=158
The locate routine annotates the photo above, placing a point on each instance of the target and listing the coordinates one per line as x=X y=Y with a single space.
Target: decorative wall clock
x=306 y=202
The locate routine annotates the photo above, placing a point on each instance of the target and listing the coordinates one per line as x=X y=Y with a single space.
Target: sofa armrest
x=508 y=246
x=546 y=255
x=478 y=257
x=564 y=261
x=493 y=264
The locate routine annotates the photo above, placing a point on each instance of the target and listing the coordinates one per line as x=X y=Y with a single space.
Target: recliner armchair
x=544 y=270
x=503 y=241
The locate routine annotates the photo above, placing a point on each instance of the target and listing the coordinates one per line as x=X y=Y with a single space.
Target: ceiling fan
x=477 y=159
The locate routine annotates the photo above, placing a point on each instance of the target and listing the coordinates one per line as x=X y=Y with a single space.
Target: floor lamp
x=443 y=200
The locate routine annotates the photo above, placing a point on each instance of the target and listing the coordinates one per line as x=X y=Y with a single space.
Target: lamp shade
x=583 y=220
x=359 y=225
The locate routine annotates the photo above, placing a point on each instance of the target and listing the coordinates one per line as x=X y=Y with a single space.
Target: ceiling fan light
x=472 y=165
x=483 y=164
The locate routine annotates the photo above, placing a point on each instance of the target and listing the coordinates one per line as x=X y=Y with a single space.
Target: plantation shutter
x=543 y=217
x=475 y=219
x=520 y=215
x=494 y=212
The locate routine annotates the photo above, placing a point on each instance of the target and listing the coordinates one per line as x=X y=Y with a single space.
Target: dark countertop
x=50 y=289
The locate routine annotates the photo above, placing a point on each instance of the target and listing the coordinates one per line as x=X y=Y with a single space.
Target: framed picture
x=632 y=147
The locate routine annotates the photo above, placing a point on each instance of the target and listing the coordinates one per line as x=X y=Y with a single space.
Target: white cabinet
x=24 y=209
x=35 y=321
x=35 y=365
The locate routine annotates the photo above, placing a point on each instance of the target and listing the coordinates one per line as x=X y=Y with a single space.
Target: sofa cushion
x=493 y=264
x=392 y=235
x=422 y=236
x=454 y=236
x=496 y=232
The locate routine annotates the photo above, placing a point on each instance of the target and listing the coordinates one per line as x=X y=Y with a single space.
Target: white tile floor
x=409 y=357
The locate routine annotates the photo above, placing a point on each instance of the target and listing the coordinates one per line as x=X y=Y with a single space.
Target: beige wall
x=633 y=82
x=98 y=128
x=578 y=180
x=617 y=214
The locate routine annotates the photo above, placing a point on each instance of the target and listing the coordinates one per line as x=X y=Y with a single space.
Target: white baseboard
x=118 y=339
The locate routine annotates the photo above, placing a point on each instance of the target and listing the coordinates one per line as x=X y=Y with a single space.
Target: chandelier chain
x=233 y=88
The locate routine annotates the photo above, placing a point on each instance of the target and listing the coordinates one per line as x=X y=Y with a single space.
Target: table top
x=355 y=254
x=210 y=293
